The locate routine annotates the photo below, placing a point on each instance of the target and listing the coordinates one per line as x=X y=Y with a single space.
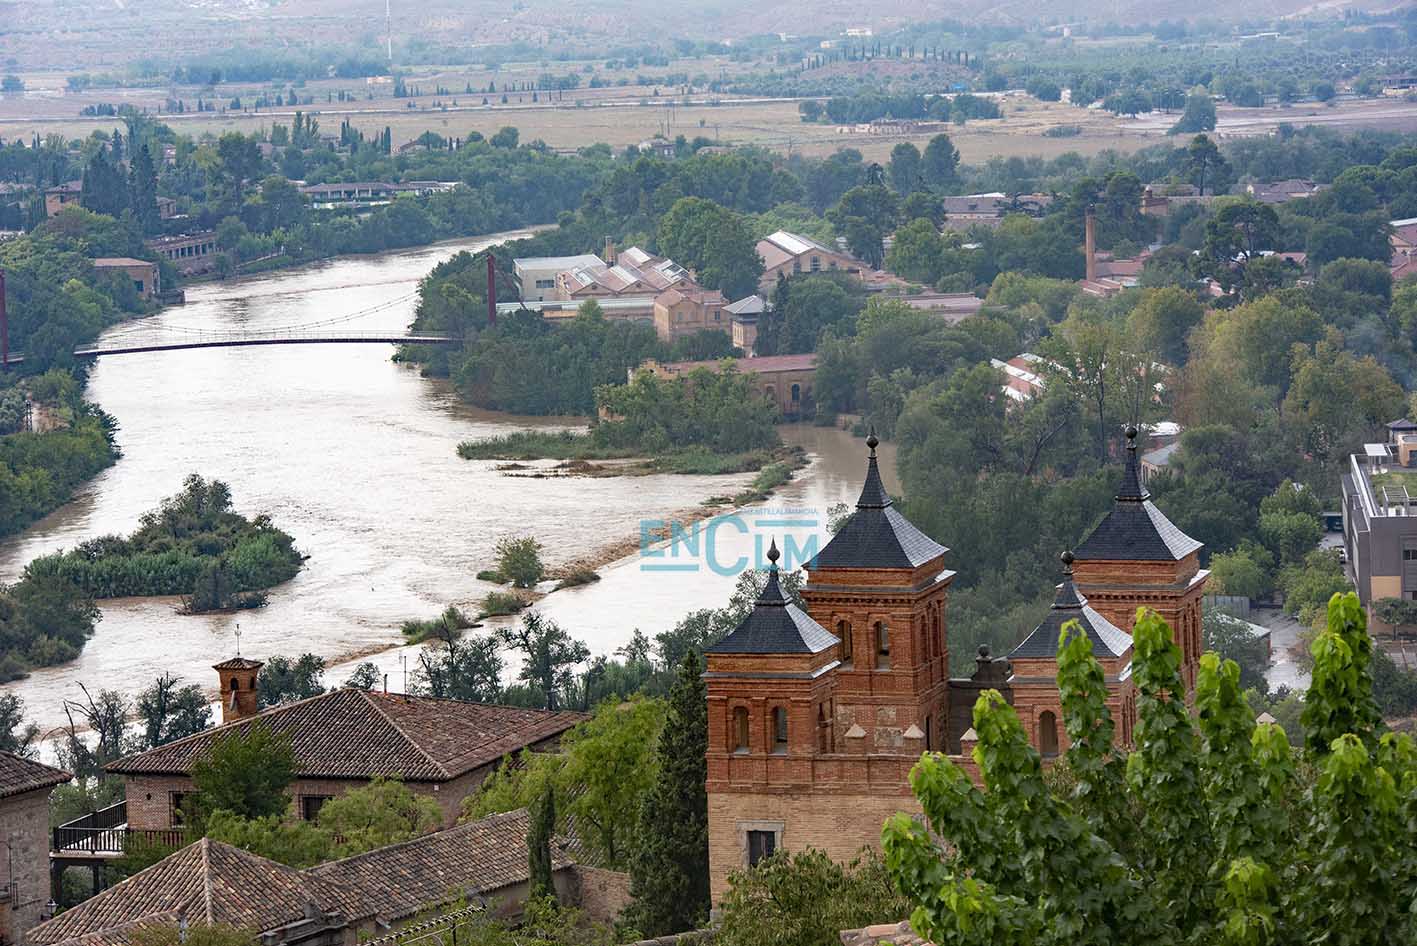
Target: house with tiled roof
x=209 y=883
x=483 y=860
x=791 y=254
x=342 y=740
x=25 y=786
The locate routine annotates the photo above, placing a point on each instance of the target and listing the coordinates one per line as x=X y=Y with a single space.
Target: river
x=354 y=456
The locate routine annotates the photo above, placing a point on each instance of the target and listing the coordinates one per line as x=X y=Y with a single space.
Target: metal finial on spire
x=1067 y=560
x=773 y=555
x=238 y=639
x=1131 y=437
x=872 y=441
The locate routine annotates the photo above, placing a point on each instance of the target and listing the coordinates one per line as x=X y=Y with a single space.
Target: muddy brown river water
x=355 y=456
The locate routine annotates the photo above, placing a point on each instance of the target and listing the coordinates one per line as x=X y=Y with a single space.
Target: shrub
x=520 y=560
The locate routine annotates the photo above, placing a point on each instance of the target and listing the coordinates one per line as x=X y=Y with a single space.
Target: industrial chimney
x=1090 y=244
x=238 y=688
x=609 y=251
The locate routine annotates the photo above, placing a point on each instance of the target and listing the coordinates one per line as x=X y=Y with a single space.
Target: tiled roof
x=356 y=734
x=1107 y=639
x=883 y=934
x=748 y=305
x=1135 y=530
x=239 y=663
x=776 y=625
x=475 y=858
x=876 y=535
x=760 y=365
x=19 y=775
x=211 y=883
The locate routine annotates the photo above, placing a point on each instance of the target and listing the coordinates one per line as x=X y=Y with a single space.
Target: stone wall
x=24 y=824
x=601 y=893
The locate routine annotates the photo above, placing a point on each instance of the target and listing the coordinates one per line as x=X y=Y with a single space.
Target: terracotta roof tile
x=474 y=858
x=211 y=883
x=356 y=734
x=19 y=775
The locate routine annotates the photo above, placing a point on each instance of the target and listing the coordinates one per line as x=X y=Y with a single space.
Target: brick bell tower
x=816 y=716
x=238 y=688
x=1137 y=558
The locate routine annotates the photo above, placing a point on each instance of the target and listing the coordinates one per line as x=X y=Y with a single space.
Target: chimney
x=609 y=251
x=491 y=290
x=1090 y=244
x=4 y=327
x=238 y=688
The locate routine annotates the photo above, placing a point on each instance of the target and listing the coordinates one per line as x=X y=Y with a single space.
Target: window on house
x=177 y=804
x=779 y=729
x=310 y=806
x=843 y=631
x=1048 y=734
x=796 y=393
x=546 y=284
x=761 y=845
x=740 y=729
x=883 y=645
x=816 y=264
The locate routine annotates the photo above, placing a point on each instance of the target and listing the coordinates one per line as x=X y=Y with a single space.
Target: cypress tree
x=669 y=871
x=538 y=842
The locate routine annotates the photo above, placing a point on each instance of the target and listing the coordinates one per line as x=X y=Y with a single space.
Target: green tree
x=507 y=137
x=168 y=711
x=669 y=868
x=905 y=166
x=1233 y=639
x=519 y=561
x=1203 y=160
x=806 y=899
x=16 y=736
x=714 y=242
x=280 y=838
x=1163 y=319
x=1238 y=573
x=538 y=842
x=247 y=772
x=866 y=215
x=287 y=679
x=1198 y=115
x=939 y=166
x=1340 y=699
x=378 y=814
x=549 y=656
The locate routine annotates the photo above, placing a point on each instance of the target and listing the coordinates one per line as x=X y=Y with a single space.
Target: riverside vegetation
x=194 y=545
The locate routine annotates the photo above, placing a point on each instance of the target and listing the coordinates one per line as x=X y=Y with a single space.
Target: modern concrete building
x=537 y=274
x=1380 y=516
x=189 y=253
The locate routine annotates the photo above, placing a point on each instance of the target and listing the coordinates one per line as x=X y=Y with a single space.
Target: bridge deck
x=247 y=341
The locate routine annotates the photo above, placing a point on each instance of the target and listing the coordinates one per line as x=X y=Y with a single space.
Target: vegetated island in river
x=704 y=423
x=192 y=545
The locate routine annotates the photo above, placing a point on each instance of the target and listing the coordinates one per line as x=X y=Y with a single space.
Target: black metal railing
x=99 y=832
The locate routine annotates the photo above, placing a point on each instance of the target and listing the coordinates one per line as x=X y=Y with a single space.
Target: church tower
x=816 y=716
x=880 y=585
x=1033 y=685
x=238 y=688
x=1137 y=558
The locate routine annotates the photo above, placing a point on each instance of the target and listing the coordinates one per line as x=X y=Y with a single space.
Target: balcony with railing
x=105 y=834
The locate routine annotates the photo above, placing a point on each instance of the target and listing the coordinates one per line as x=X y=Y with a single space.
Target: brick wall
x=24 y=825
x=837 y=824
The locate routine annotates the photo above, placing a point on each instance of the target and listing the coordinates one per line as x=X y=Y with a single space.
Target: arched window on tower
x=824 y=730
x=843 y=631
x=883 y=645
x=236 y=683
x=1047 y=734
x=740 y=729
x=779 y=730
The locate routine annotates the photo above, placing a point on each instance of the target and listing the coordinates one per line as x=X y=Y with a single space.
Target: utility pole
x=4 y=328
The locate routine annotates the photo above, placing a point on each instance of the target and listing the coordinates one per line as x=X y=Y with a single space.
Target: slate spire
x=1132 y=490
x=873 y=493
x=772 y=596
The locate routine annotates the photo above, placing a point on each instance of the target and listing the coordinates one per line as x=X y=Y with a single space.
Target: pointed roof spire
x=1068 y=605
x=873 y=493
x=772 y=596
x=1132 y=490
x=1135 y=530
x=776 y=625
